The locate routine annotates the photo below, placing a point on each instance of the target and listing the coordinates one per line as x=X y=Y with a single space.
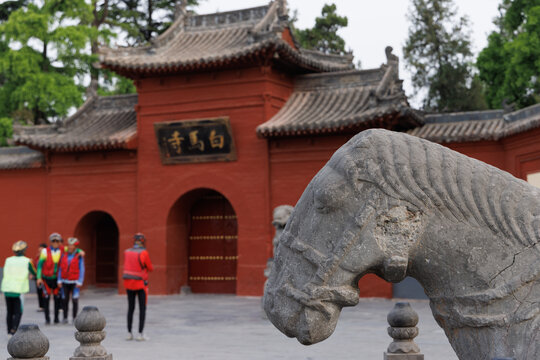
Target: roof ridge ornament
x=283 y=11
x=391 y=59
x=180 y=9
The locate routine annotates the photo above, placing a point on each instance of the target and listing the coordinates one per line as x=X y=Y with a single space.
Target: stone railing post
x=90 y=324
x=403 y=320
x=28 y=343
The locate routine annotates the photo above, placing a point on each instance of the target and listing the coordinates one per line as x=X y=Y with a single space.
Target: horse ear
x=395 y=268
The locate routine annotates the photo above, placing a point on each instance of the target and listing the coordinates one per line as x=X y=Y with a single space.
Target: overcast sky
x=373 y=24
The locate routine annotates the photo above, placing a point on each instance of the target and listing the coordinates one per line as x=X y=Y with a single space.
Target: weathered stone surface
x=90 y=324
x=28 y=343
x=395 y=205
x=90 y=319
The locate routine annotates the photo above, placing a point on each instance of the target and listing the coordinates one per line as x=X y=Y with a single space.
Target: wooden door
x=212 y=246
x=106 y=251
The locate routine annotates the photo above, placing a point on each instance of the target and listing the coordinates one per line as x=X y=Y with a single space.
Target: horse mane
x=434 y=178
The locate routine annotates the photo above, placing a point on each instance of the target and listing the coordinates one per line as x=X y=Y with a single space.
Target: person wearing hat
x=71 y=277
x=137 y=264
x=47 y=275
x=17 y=268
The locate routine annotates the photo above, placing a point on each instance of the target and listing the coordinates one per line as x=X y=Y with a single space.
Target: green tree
x=7 y=7
x=6 y=130
x=509 y=64
x=438 y=53
x=324 y=35
x=44 y=66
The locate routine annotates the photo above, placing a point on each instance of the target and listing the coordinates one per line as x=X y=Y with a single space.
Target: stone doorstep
x=403 y=356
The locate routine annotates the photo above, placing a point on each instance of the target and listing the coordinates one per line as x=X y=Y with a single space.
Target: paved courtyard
x=229 y=327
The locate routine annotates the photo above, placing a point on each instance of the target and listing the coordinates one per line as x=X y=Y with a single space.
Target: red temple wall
x=518 y=154
x=22 y=207
x=248 y=97
x=78 y=184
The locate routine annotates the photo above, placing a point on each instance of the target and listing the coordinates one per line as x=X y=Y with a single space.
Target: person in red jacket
x=47 y=275
x=71 y=277
x=137 y=264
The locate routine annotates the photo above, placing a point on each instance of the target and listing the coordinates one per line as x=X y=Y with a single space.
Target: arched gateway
x=98 y=234
x=202 y=234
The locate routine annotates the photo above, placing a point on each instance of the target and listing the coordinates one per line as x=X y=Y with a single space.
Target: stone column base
x=403 y=356
x=104 y=357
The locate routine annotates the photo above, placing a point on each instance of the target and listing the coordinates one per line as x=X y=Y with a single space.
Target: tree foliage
x=324 y=35
x=6 y=130
x=7 y=7
x=48 y=49
x=438 y=53
x=45 y=61
x=510 y=65
x=141 y=21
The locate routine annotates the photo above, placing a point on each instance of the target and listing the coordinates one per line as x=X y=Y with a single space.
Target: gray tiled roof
x=334 y=102
x=219 y=40
x=101 y=123
x=20 y=157
x=477 y=125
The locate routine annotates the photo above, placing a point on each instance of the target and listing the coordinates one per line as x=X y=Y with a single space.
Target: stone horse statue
x=395 y=205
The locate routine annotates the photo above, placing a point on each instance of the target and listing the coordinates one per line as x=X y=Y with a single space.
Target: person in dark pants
x=15 y=283
x=71 y=277
x=47 y=275
x=39 y=289
x=137 y=264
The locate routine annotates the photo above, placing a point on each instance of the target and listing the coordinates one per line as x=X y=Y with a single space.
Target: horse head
x=341 y=229
x=394 y=205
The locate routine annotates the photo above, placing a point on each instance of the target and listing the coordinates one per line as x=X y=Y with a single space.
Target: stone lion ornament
x=394 y=205
x=280 y=216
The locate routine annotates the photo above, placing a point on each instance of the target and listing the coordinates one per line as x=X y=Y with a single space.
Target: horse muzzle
x=297 y=315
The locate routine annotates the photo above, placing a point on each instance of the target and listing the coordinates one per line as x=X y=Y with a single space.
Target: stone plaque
x=191 y=141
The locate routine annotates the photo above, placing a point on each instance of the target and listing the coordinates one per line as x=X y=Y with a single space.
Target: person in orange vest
x=17 y=268
x=47 y=275
x=71 y=277
x=137 y=264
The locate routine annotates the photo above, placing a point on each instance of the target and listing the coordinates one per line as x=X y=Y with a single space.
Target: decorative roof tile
x=220 y=40
x=334 y=102
x=20 y=157
x=491 y=125
x=101 y=123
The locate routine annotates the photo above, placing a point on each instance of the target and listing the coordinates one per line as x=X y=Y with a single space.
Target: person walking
x=47 y=275
x=137 y=264
x=15 y=282
x=39 y=289
x=71 y=277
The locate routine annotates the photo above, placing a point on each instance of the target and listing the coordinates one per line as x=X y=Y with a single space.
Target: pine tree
x=323 y=36
x=142 y=21
x=438 y=54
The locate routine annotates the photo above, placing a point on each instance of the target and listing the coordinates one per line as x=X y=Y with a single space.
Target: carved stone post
x=28 y=343
x=90 y=324
x=403 y=320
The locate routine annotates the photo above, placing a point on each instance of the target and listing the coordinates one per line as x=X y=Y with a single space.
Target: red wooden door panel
x=212 y=246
